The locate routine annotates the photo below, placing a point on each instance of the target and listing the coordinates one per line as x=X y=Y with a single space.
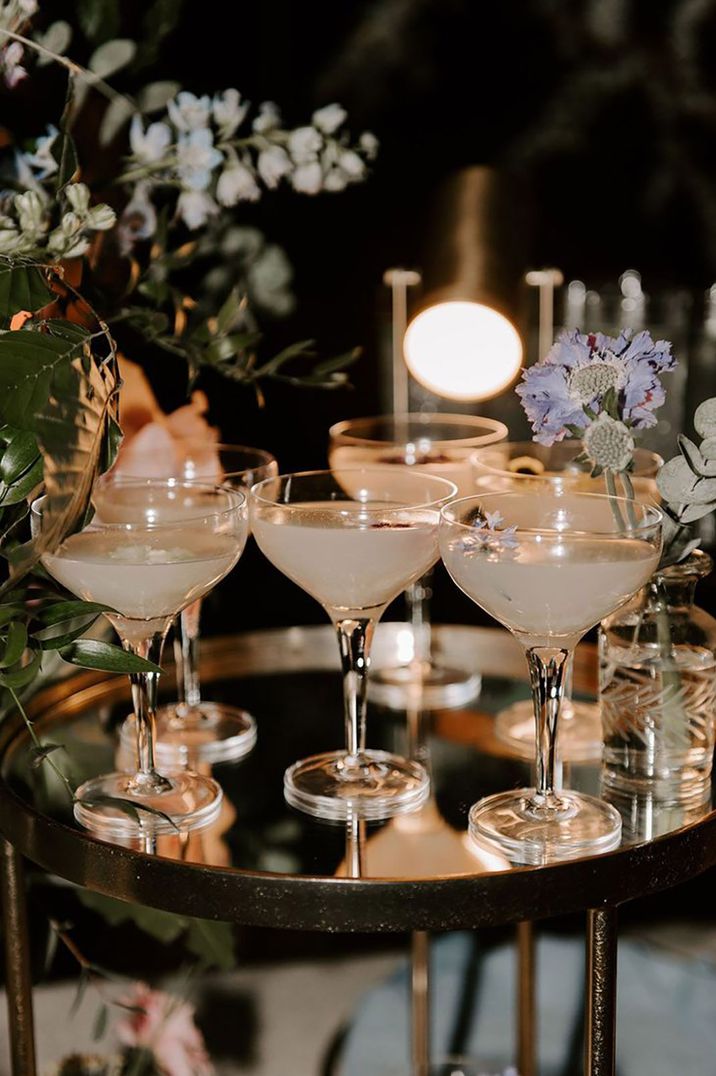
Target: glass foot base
x=190 y=802
x=582 y=826
x=210 y=733
x=380 y=786
x=433 y=687
x=579 y=733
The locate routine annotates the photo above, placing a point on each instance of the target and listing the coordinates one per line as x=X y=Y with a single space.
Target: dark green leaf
x=131 y=808
x=12 y=516
x=212 y=942
x=39 y=754
x=10 y=611
x=60 y=612
x=80 y=992
x=302 y=347
x=100 y=1023
x=51 y=639
x=230 y=312
x=340 y=362
x=94 y=654
x=22 y=287
x=23 y=486
x=23 y=676
x=575 y=431
x=65 y=153
x=29 y=366
x=15 y=644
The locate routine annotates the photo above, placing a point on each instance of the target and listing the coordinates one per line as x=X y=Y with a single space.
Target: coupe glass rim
x=478 y=462
x=266 y=458
x=340 y=430
x=241 y=502
x=646 y=528
x=256 y=494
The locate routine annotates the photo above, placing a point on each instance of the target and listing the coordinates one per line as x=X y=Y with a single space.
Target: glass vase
x=657 y=681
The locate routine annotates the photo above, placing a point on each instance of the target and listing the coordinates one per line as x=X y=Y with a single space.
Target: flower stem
x=612 y=492
x=37 y=743
x=629 y=494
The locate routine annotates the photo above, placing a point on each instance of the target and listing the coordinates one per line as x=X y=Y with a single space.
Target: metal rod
x=601 y=993
x=399 y=280
x=546 y=280
x=420 y=1002
x=526 y=1000
x=17 y=962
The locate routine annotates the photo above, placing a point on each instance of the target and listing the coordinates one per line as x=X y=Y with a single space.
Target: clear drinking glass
x=353 y=538
x=192 y=729
x=518 y=465
x=440 y=445
x=548 y=564
x=151 y=548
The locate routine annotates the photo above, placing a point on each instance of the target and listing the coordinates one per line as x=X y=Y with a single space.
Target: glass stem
x=354 y=639
x=418 y=597
x=191 y=685
x=144 y=699
x=547 y=675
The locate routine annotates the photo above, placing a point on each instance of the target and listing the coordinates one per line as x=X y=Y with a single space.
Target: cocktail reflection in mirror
x=353 y=538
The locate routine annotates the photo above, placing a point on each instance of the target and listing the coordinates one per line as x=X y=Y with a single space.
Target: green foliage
x=99 y=19
x=211 y=942
x=688 y=485
x=23 y=287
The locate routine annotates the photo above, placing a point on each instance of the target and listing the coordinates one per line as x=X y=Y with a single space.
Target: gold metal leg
x=526 y=1001
x=17 y=962
x=420 y=1003
x=601 y=1017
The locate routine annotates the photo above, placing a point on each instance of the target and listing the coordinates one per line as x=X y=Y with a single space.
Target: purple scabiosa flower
x=488 y=535
x=587 y=374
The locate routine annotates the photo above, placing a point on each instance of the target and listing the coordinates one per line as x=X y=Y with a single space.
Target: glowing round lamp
x=463 y=350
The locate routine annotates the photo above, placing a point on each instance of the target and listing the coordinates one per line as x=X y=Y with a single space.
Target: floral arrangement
x=83 y=278
x=603 y=391
x=156 y=1036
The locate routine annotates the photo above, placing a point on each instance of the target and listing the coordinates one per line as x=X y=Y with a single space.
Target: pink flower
x=165 y=1025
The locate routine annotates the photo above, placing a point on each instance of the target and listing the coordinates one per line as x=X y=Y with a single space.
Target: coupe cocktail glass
x=151 y=548
x=512 y=466
x=549 y=565
x=440 y=445
x=192 y=729
x=353 y=538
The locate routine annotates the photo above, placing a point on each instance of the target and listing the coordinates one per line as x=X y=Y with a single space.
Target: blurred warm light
x=463 y=350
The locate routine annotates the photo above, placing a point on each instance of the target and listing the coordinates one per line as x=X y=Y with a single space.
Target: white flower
x=11 y=63
x=189 y=112
x=42 y=160
x=237 y=183
x=197 y=157
x=30 y=209
x=68 y=241
x=329 y=118
x=150 y=145
x=28 y=7
x=10 y=241
x=369 y=144
x=335 y=180
x=273 y=164
x=139 y=219
x=101 y=217
x=268 y=118
x=304 y=144
x=78 y=196
x=352 y=164
x=608 y=443
x=195 y=208
x=229 y=112
x=308 y=178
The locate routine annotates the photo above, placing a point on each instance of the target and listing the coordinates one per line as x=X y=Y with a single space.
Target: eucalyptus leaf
x=708 y=448
x=676 y=480
x=118 y=113
x=691 y=454
x=22 y=287
x=96 y=654
x=156 y=95
x=112 y=56
x=100 y=1023
x=133 y=808
x=695 y=511
x=98 y=19
x=705 y=418
x=56 y=38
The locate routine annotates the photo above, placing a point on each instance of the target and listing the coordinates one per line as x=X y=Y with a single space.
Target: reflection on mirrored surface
x=296 y=711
